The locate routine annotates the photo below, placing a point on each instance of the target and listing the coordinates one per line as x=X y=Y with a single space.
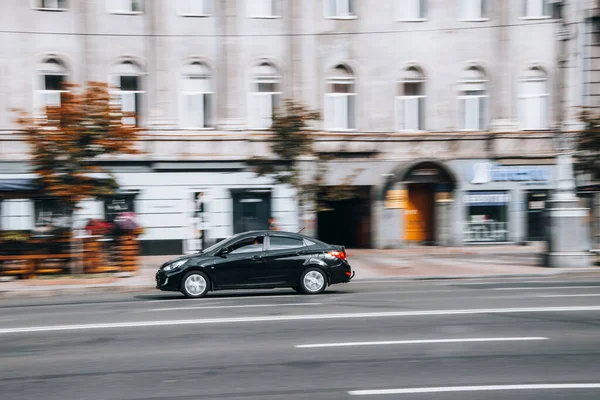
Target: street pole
x=567 y=240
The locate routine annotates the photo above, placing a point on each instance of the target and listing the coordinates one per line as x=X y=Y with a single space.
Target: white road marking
x=240 y=306
x=569 y=295
x=305 y=317
x=490 y=388
x=433 y=341
x=549 y=287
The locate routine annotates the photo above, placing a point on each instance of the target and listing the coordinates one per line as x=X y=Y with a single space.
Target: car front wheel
x=195 y=284
x=313 y=281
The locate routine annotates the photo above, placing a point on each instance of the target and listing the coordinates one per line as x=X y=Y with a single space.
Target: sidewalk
x=409 y=263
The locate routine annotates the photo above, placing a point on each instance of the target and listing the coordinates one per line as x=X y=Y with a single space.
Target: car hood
x=197 y=257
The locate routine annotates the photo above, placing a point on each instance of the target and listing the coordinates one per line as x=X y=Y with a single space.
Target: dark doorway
x=536 y=221
x=251 y=210
x=347 y=222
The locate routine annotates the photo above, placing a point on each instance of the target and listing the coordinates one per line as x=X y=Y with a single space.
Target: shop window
x=17 y=214
x=487 y=216
x=117 y=205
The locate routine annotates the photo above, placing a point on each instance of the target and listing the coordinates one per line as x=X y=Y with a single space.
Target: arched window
x=197 y=102
x=265 y=93
x=127 y=78
x=534 y=100
x=410 y=101
x=340 y=100
x=52 y=75
x=472 y=100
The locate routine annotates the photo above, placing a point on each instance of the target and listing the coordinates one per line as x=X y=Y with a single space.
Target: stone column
x=458 y=219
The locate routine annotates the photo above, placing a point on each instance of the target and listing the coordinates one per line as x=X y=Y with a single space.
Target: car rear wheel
x=195 y=284
x=313 y=281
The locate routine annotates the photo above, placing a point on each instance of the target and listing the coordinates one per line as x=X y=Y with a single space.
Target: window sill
x=195 y=15
x=265 y=17
x=349 y=17
x=126 y=12
x=412 y=20
x=341 y=130
x=540 y=18
x=474 y=20
x=51 y=9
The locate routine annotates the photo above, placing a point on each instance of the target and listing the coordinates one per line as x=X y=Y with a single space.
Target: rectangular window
x=263 y=8
x=52 y=5
x=49 y=94
x=411 y=10
x=340 y=111
x=124 y=6
x=194 y=8
x=473 y=10
x=262 y=107
x=17 y=214
x=197 y=98
x=340 y=8
x=410 y=107
x=130 y=96
x=534 y=105
x=487 y=216
x=537 y=9
x=473 y=112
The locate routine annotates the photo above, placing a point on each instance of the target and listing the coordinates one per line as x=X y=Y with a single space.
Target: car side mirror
x=223 y=252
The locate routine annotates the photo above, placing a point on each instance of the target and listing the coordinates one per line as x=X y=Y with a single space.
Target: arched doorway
x=428 y=185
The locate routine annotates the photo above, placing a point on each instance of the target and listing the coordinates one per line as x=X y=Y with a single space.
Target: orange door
x=418 y=214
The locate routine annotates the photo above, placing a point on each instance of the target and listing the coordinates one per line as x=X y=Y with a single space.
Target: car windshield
x=217 y=245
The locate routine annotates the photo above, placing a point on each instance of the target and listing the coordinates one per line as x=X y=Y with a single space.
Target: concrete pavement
x=404 y=264
x=450 y=340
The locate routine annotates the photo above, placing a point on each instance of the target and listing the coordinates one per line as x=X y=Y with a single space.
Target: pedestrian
x=273 y=224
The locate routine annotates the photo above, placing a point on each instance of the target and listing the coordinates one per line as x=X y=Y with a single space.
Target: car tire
x=313 y=281
x=195 y=284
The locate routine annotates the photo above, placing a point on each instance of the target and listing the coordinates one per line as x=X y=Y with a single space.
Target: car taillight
x=338 y=254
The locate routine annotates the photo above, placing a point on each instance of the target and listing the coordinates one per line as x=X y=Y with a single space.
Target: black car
x=260 y=260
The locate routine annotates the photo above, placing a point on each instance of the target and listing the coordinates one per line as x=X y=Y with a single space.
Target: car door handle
x=255 y=258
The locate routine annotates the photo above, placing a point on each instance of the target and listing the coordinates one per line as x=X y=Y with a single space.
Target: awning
x=18 y=185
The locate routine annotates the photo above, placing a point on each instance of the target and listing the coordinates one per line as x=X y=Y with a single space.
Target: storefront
x=487 y=216
x=503 y=203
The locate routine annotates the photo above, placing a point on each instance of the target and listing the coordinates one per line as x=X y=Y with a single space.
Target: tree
x=291 y=139
x=587 y=154
x=67 y=144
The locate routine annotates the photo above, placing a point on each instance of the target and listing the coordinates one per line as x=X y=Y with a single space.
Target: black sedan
x=259 y=260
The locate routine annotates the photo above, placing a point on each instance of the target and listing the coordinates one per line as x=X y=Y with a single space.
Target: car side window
x=247 y=245
x=284 y=243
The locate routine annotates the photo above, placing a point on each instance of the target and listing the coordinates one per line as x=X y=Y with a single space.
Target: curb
x=41 y=291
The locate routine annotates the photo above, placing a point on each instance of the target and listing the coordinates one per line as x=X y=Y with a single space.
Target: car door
x=241 y=264
x=285 y=258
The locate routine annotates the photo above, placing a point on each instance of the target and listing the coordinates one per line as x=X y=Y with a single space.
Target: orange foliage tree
x=68 y=144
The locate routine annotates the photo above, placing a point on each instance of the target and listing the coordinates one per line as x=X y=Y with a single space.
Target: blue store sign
x=486 y=172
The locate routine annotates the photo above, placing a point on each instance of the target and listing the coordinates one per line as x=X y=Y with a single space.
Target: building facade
x=440 y=111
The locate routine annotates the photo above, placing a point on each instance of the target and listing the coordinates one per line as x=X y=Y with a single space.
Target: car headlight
x=174 y=265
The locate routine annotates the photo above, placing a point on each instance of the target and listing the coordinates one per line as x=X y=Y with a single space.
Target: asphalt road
x=463 y=339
